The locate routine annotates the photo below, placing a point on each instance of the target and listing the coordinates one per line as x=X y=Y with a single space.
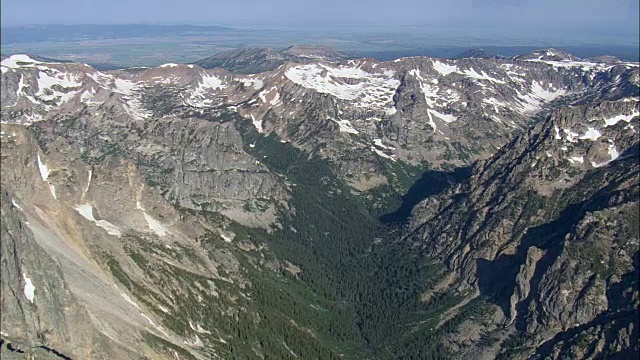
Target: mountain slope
x=547 y=230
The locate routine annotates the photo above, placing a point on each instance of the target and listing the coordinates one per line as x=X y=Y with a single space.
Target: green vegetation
x=119 y=274
x=357 y=296
x=348 y=257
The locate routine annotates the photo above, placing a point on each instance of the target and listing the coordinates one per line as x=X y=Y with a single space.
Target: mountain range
x=300 y=204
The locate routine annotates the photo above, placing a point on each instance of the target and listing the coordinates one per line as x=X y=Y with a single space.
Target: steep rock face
x=38 y=308
x=67 y=211
x=548 y=230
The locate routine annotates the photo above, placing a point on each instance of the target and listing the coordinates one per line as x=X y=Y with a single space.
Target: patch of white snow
x=86 y=210
x=345 y=126
x=44 y=170
x=444 y=69
x=576 y=159
x=154 y=225
x=626 y=118
x=29 y=289
x=591 y=134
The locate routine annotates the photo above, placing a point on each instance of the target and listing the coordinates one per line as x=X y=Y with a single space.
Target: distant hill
x=256 y=60
x=476 y=53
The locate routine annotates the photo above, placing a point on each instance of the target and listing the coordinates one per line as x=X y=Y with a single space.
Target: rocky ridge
x=360 y=113
x=547 y=229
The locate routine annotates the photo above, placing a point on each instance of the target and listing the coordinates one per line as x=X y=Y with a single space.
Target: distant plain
x=118 y=46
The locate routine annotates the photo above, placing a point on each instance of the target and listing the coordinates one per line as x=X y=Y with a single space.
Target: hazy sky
x=612 y=16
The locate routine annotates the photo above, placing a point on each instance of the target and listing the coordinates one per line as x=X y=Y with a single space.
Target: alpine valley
x=297 y=204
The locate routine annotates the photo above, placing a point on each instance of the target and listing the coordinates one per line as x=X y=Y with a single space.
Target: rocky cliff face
x=547 y=229
x=39 y=311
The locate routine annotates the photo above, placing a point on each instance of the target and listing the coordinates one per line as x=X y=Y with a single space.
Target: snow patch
x=20 y=86
x=582 y=65
x=124 y=87
x=431 y=122
x=557 y=130
x=382 y=154
x=472 y=73
x=539 y=92
x=275 y=100
x=432 y=97
x=199 y=97
x=591 y=134
x=104 y=80
x=378 y=143
x=255 y=83
x=444 y=69
x=613 y=154
x=15 y=204
x=44 y=170
x=128 y=299
x=62 y=79
x=257 y=123
x=445 y=117
x=345 y=126
x=154 y=225
x=226 y=237
x=29 y=289
x=52 y=190
x=13 y=60
x=626 y=118
x=88 y=181
x=86 y=210
x=46 y=91
x=198 y=328
x=391 y=111
x=496 y=103
x=537 y=96
x=369 y=89
x=570 y=135
x=87 y=95
x=210 y=82
x=576 y=159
